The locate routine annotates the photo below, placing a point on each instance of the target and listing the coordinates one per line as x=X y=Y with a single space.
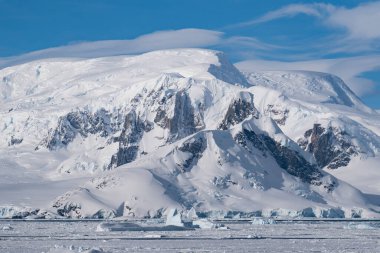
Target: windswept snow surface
x=135 y=136
x=314 y=87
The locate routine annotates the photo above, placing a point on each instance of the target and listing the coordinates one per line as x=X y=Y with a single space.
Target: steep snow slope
x=319 y=112
x=134 y=135
x=218 y=171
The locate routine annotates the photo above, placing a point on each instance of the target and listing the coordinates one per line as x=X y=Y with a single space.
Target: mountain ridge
x=207 y=136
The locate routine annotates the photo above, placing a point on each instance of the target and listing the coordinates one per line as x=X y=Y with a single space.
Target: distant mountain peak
x=308 y=86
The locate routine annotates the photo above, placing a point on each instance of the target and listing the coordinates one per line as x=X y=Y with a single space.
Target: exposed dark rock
x=129 y=140
x=237 y=111
x=286 y=158
x=104 y=124
x=199 y=117
x=249 y=139
x=330 y=186
x=194 y=146
x=105 y=182
x=153 y=96
x=136 y=100
x=148 y=126
x=223 y=182
x=331 y=147
x=278 y=115
x=104 y=214
x=308 y=133
x=184 y=121
x=25 y=213
x=69 y=210
x=292 y=162
x=81 y=123
x=15 y=141
x=161 y=118
x=155 y=214
x=182 y=124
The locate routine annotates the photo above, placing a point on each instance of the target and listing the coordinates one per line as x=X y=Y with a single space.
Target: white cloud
x=291 y=10
x=349 y=69
x=183 y=38
x=248 y=42
x=154 y=41
x=361 y=22
x=318 y=10
x=358 y=25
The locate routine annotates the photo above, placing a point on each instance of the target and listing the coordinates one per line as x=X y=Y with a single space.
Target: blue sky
x=341 y=37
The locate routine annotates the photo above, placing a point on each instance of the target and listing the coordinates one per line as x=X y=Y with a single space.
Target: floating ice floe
x=118 y=226
x=190 y=220
x=7 y=227
x=72 y=249
x=175 y=221
x=174 y=218
x=204 y=224
x=353 y=225
x=254 y=237
x=153 y=236
x=129 y=226
x=261 y=221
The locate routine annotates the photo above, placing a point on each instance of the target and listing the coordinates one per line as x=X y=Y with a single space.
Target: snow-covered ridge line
x=309 y=86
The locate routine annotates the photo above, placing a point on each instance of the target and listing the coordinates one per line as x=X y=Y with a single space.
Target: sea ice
x=261 y=221
x=7 y=227
x=353 y=225
x=204 y=224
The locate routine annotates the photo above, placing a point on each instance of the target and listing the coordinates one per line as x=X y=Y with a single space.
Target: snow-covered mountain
x=135 y=135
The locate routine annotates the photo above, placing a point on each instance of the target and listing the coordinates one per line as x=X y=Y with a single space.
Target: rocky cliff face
x=288 y=159
x=194 y=148
x=237 y=111
x=129 y=139
x=82 y=123
x=182 y=123
x=330 y=146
